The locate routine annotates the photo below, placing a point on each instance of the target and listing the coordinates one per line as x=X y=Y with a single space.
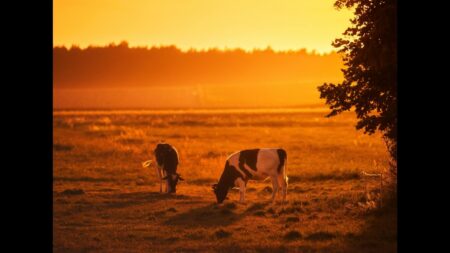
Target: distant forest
x=123 y=66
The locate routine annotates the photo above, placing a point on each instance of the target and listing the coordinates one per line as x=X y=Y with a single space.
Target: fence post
x=365 y=174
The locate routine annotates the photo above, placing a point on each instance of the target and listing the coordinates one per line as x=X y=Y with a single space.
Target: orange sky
x=200 y=24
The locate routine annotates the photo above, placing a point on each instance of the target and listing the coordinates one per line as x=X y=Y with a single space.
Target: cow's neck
x=229 y=176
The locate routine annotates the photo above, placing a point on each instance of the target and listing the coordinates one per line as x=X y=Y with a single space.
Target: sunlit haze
x=200 y=24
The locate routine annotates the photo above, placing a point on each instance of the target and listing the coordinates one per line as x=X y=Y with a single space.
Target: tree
x=369 y=49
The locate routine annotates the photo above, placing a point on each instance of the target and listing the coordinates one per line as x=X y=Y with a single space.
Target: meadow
x=105 y=201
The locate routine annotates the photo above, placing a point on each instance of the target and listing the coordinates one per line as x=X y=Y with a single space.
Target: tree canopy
x=369 y=47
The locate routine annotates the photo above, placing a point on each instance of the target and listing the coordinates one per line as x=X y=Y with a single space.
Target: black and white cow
x=166 y=166
x=255 y=164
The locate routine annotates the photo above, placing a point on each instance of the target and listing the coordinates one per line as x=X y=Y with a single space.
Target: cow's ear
x=180 y=178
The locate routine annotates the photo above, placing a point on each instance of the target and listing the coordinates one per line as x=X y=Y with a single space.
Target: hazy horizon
x=119 y=76
x=148 y=46
x=300 y=107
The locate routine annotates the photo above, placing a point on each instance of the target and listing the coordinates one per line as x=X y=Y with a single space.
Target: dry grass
x=104 y=201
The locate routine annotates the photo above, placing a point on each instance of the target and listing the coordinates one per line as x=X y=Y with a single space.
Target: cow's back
x=167 y=157
x=256 y=163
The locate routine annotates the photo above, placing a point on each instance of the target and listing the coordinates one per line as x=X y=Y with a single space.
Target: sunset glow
x=200 y=24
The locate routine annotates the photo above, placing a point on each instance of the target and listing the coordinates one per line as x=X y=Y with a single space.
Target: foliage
x=369 y=47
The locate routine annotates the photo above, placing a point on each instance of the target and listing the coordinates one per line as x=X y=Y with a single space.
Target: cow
x=166 y=166
x=255 y=164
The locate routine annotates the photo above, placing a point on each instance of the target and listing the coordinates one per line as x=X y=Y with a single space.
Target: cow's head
x=220 y=191
x=172 y=181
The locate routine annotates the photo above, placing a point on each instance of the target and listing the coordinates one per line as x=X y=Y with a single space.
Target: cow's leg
x=241 y=190
x=158 y=172
x=275 y=187
x=167 y=182
x=282 y=182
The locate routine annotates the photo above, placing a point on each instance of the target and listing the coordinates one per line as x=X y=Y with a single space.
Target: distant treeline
x=121 y=66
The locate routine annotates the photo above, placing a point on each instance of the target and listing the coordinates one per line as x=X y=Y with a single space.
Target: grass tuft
x=226 y=211
x=222 y=234
x=62 y=147
x=292 y=235
x=320 y=236
x=73 y=192
x=292 y=219
x=230 y=205
x=255 y=207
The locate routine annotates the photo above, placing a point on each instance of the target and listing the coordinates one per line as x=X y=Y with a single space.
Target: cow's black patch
x=249 y=157
x=167 y=158
x=282 y=155
x=226 y=181
x=248 y=175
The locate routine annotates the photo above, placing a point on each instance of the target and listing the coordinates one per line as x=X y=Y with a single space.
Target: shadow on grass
x=83 y=179
x=379 y=234
x=202 y=181
x=149 y=196
x=124 y=200
x=210 y=215
x=236 y=248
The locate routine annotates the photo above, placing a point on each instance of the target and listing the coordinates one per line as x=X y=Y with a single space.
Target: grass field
x=104 y=201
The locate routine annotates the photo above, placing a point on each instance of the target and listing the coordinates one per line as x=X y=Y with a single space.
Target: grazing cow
x=166 y=166
x=255 y=164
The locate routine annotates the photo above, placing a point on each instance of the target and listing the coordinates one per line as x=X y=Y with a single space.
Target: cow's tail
x=285 y=172
x=285 y=176
x=147 y=163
